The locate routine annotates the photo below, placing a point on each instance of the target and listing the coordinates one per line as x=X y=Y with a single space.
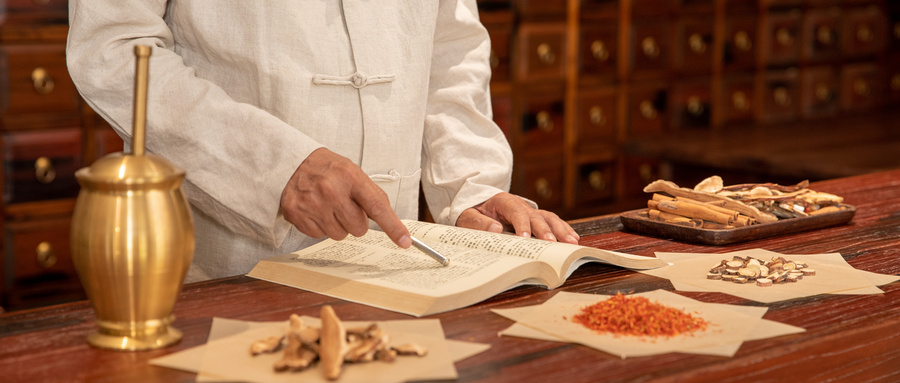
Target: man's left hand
x=511 y=211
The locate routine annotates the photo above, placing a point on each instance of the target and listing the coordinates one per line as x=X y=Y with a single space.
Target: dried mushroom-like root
x=410 y=349
x=332 y=344
x=265 y=346
x=302 y=346
x=662 y=186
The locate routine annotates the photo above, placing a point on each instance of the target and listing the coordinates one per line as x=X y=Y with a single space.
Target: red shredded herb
x=638 y=316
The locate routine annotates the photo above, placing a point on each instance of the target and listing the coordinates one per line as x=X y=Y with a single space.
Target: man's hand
x=330 y=195
x=505 y=209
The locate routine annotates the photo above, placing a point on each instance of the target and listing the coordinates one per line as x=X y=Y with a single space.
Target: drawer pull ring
x=864 y=33
x=542 y=186
x=42 y=81
x=645 y=171
x=596 y=180
x=495 y=60
x=695 y=106
x=739 y=100
x=824 y=93
x=895 y=82
x=597 y=117
x=544 y=122
x=546 y=54
x=781 y=96
x=598 y=48
x=648 y=111
x=862 y=88
x=44 y=171
x=46 y=258
x=784 y=37
x=897 y=30
x=650 y=47
x=825 y=35
x=697 y=44
x=742 y=41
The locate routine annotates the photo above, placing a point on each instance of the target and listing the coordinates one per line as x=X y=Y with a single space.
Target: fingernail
x=572 y=239
x=405 y=242
x=550 y=237
x=495 y=228
x=526 y=234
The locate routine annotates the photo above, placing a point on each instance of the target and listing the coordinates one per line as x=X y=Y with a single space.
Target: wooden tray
x=637 y=220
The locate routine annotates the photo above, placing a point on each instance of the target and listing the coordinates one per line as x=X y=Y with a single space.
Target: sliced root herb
x=764 y=273
x=622 y=315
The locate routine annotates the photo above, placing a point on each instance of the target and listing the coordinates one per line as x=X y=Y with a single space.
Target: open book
x=372 y=270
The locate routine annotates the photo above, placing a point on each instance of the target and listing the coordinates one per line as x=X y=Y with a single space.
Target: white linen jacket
x=241 y=92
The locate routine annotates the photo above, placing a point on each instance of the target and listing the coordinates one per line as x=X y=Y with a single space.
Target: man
x=296 y=120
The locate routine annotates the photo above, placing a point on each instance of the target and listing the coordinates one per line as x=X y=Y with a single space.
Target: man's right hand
x=330 y=195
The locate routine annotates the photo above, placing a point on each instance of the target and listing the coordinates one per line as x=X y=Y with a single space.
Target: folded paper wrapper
x=226 y=356
x=729 y=326
x=687 y=272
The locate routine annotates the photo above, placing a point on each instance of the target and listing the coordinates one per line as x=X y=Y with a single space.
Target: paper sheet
x=687 y=272
x=229 y=340
x=729 y=326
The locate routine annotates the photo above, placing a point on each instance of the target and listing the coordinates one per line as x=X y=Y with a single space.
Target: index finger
x=377 y=206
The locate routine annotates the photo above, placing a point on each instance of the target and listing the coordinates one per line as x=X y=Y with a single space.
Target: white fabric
x=241 y=92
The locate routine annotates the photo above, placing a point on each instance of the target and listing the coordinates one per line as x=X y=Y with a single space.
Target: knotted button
x=359 y=80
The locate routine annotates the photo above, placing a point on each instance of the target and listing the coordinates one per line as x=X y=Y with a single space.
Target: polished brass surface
x=132 y=239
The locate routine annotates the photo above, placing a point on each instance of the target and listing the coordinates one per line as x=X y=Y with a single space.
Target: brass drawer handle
x=825 y=35
x=645 y=171
x=897 y=30
x=648 y=111
x=495 y=61
x=596 y=180
x=544 y=122
x=44 y=171
x=784 y=37
x=742 y=41
x=895 y=82
x=695 y=106
x=43 y=82
x=650 y=47
x=864 y=33
x=824 y=93
x=862 y=88
x=781 y=96
x=598 y=48
x=696 y=43
x=545 y=53
x=543 y=189
x=740 y=102
x=46 y=258
x=597 y=116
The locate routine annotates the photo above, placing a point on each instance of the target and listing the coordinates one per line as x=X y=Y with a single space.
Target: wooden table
x=854 y=338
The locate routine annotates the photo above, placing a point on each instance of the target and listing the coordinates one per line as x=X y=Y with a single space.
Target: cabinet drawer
x=37 y=6
x=865 y=31
x=596 y=182
x=542 y=121
x=895 y=29
x=781 y=34
x=40 y=165
x=822 y=28
x=541 y=8
x=691 y=104
x=694 y=47
x=37 y=81
x=651 y=48
x=637 y=173
x=819 y=92
x=597 y=120
x=541 y=51
x=541 y=181
x=499 y=27
x=653 y=7
x=647 y=109
x=599 y=9
x=739 y=52
x=894 y=80
x=697 y=6
x=780 y=93
x=862 y=87
x=738 y=98
x=39 y=248
x=599 y=51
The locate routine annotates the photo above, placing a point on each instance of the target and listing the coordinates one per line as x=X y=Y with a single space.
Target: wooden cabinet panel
x=108 y=141
x=597 y=117
x=738 y=99
x=862 y=87
x=637 y=173
x=653 y=7
x=499 y=27
x=780 y=94
x=598 y=51
x=541 y=181
x=819 y=92
x=650 y=48
x=542 y=121
x=694 y=47
x=36 y=81
x=691 y=104
x=647 y=104
x=822 y=31
x=596 y=182
x=41 y=165
x=781 y=38
x=541 y=52
x=865 y=31
x=741 y=47
x=893 y=80
x=541 y=8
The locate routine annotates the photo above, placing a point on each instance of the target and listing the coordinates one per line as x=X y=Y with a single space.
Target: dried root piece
x=410 y=349
x=765 y=273
x=268 y=345
x=332 y=343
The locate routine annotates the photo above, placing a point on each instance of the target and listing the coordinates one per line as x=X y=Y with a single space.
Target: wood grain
x=849 y=338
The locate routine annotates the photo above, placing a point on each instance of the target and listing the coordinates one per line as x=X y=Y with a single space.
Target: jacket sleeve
x=466 y=157
x=237 y=157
